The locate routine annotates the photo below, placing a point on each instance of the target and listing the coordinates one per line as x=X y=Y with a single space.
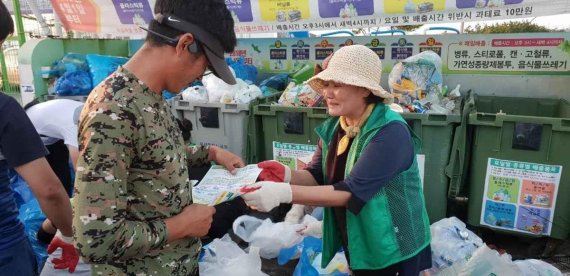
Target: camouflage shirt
x=131 y=175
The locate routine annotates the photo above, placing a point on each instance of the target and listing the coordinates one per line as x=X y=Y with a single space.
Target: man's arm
x=73 y=155
x=24 y=151
x=50 y=193
x=200 y=156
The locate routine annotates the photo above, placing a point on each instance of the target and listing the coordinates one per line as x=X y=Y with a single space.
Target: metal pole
x=39 y=17
x=5 y=81
x=19 y=22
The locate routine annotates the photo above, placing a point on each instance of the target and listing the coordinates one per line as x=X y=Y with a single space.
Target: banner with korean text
x=119 y=18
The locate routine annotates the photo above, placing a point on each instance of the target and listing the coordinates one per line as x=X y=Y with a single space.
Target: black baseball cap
x=210 y=44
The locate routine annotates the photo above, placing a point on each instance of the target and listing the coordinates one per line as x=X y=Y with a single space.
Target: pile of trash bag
x=458 y=251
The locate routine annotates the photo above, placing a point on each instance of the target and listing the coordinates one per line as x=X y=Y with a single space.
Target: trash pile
x=417 y=85
x=458 y=251
x=214 y=90
x=455 y=251
x=77 y=74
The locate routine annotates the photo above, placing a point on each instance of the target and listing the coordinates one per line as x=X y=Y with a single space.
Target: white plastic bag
x=486 y=261
x=225 y=257
x=269 y=237
x=532 y=267
x=217 y=88
x=452 y=242
x=195 y=94
x=82 y=268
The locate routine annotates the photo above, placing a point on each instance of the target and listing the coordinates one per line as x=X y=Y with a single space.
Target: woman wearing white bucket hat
x=364 y=172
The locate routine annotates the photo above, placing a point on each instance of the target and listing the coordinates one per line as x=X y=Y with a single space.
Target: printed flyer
x=520 y=196
x=296 y=156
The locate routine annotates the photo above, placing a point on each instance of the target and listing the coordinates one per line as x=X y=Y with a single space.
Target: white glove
x=314 y=229
x=268 y=196
x=295 y=214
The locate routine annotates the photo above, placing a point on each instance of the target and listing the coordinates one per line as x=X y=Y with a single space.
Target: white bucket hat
x=353 y=65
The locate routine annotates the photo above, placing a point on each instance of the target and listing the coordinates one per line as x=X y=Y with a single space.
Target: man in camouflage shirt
x=133 y=210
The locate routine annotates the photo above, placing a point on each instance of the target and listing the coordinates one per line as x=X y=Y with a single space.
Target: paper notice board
x=520 y=196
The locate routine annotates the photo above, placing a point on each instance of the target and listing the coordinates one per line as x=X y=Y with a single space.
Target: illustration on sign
x=500 y=214
x=136 y=12
x=278 y=56
x=536 y=193
x=284 y=10
x=533 y=220
x=345 y=8
x=296 y=156
x=504 y=189
x=413 y=6
x=240 y=10
x=520 y=196
x=301 y=55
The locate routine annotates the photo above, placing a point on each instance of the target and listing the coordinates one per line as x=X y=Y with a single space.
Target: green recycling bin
x=436 y=132
x=273 y=127
x=519 y=168
x=290 y=127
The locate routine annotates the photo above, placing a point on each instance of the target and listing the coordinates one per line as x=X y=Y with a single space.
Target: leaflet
x=219 y=185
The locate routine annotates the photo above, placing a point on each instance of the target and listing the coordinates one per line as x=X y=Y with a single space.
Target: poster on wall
x=520 y=196
x=122 y=17
x=506 y=54
x=296 y=156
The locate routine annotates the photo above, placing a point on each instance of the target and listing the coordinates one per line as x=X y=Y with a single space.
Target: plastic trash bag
x=269 y=237
x=246 y=72
x=101 y=67
x=31 y=216
x=71 y=62
x=167 y=95
x=248 y=94
x=452 y=242
x=416 y=77
x=22 y=192
x=274 y=84
x=532 y=267
x=76 y=83
x=217 y=88
x=196 y=93
x=486 y=261
x=310 y=260
x=225 y=257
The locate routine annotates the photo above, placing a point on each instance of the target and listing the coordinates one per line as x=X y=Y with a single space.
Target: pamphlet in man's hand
x=219 y=185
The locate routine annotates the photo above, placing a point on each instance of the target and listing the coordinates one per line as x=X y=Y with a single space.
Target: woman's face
x=345 y=100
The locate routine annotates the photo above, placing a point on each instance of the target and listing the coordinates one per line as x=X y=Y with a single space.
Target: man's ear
x=186 y=42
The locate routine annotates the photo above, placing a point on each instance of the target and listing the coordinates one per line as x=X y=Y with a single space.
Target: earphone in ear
x=193 y=48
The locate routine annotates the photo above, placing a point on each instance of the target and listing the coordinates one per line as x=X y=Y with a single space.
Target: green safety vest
x=393 y=226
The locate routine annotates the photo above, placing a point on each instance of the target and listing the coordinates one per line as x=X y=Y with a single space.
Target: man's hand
x=225 y=158
x=274 y=171
x=69 y=256
x=194 y=221
x=268 y=196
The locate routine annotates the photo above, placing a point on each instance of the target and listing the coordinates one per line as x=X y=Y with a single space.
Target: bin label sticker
x=520 y=196
x=296 y=156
